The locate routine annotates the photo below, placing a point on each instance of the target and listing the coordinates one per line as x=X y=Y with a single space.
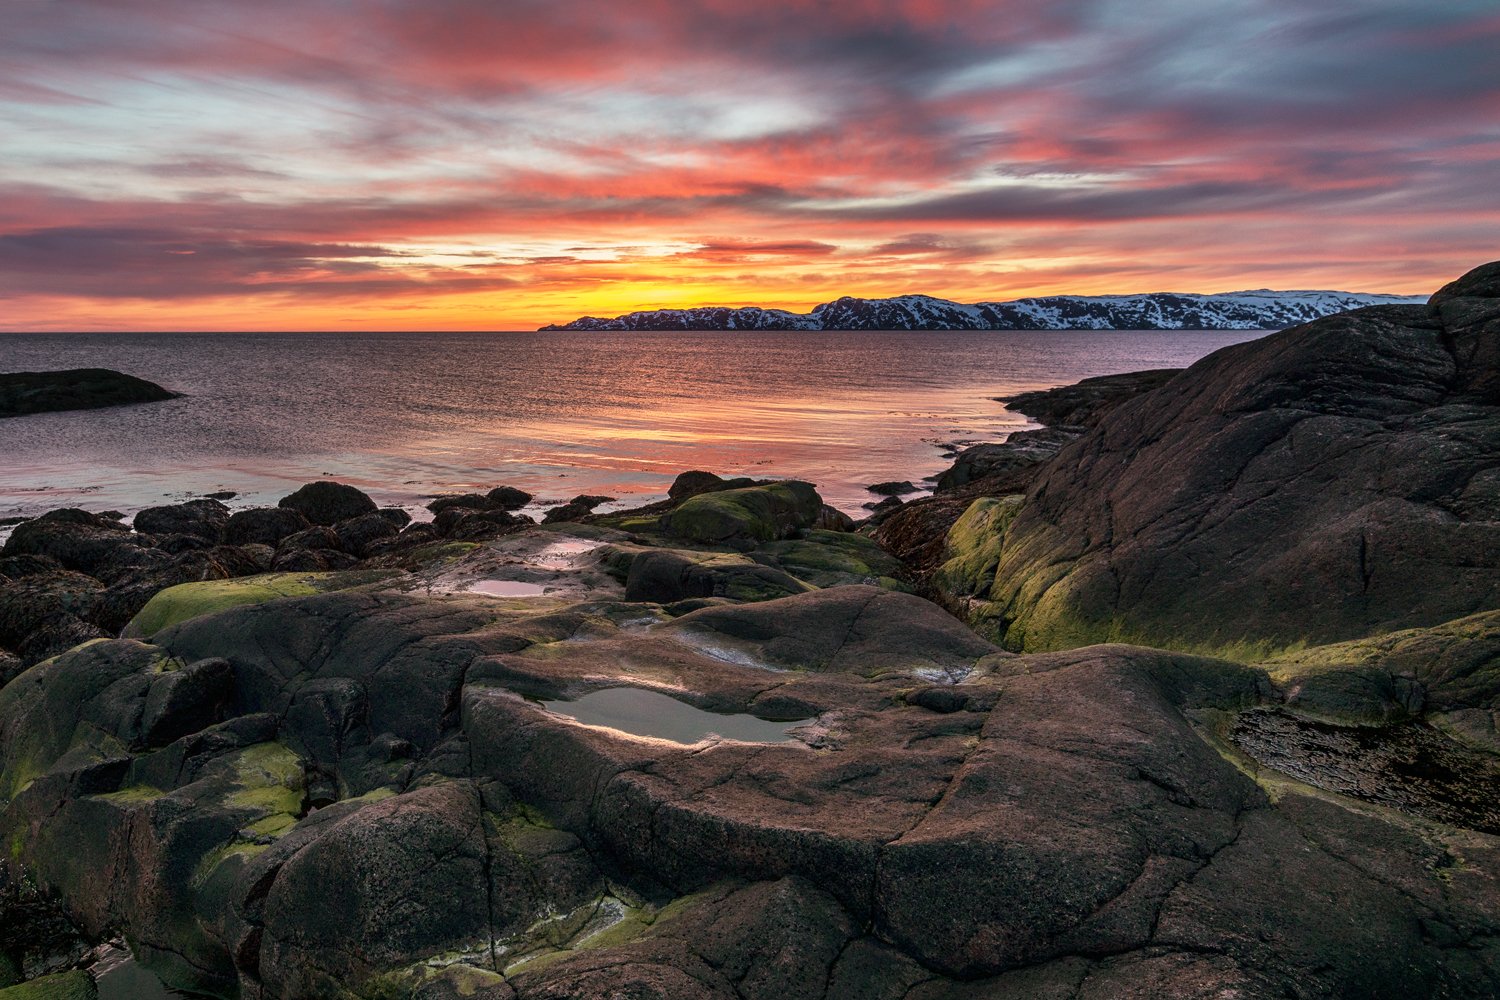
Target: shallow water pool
x=648 y=713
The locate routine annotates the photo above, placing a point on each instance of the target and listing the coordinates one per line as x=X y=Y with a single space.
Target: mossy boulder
x=743 y=517
x=191 y=600
x=826 y=558
x=74 y=985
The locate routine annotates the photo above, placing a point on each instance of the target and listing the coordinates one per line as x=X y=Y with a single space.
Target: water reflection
x=557 y=414
x=648 y=713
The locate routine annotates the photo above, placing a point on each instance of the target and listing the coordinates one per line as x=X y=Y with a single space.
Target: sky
x=499 y=164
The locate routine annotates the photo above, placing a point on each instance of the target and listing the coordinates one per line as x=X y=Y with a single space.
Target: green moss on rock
x=63 y=986
x=830 y=558
x=269 y=777
x=192 y=600
x=971 y=552
x=753 y=514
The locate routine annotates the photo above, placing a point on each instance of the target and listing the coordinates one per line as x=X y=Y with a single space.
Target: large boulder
x=1331 y=481
x=328 y=503
x=204 y=519
x=88 y=543
x=264 y=526
x=747 y=515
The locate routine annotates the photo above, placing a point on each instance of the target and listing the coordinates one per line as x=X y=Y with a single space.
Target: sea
x=406 y=416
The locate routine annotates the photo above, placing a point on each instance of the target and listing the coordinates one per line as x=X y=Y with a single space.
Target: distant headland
x=1261 y=309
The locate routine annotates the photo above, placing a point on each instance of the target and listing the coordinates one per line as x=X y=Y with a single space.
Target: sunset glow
x=458 y=164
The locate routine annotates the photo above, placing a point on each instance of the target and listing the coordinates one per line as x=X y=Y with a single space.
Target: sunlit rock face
x=1332 y=481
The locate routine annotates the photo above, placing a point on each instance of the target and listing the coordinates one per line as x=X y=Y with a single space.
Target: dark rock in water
x=80 y=541
x=884 y=504
x=1020 y=451
x=1253 y=502
x=221 y=495
x=690 y=484
x=396 y=516
x=326 y=502
x=178 y=544
x=470 y=501
x=508 y=498
x=575 y=509
x=1084 y=404
x=203 y=519
x=74 y=389
x=263 y=526
x=892 y=489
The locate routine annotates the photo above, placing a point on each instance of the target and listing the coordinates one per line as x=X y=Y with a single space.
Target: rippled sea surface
x=404 y=415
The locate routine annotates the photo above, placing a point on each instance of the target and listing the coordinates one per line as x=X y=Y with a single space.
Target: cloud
x=171 y=264
x=932 y=141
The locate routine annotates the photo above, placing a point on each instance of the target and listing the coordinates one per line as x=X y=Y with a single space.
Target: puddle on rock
x=504 y=588
x=1409 y=766
x=647 y=713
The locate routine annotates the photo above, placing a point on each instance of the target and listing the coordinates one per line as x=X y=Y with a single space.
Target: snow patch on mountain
x=1257 y=309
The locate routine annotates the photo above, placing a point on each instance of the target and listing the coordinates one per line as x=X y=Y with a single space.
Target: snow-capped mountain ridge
x=1253 y=309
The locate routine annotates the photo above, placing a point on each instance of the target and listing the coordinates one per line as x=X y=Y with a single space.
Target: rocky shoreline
x=319 y=751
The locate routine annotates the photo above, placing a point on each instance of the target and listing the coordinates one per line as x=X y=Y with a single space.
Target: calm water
x=557 y=414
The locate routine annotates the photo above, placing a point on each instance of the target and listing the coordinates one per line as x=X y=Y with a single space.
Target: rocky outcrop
x=746 y=515
x=1084 y=404
x=22 y=393
x=348 y=792
x=328 y=502
x=1332 y=481
x=915 y=532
